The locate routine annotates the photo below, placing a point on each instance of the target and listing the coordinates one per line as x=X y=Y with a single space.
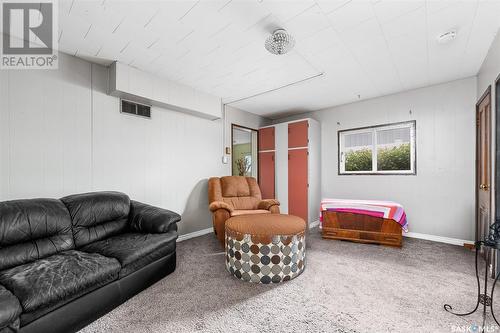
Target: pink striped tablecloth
x=385 y=209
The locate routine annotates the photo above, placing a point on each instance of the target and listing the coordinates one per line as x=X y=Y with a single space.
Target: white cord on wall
x=224 y=133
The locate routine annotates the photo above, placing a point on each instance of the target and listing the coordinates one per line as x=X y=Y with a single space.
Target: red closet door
x=266 y=175
x=297 y=183
x=266 y=138
x=297 y=134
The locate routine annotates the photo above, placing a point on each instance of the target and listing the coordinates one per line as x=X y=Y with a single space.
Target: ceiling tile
x=329 y=6
x=387 y=10
x=307 y=23
x=365 y=48
x=351 y=15
x=409 y=25
x=458 y=16
x=291 y=10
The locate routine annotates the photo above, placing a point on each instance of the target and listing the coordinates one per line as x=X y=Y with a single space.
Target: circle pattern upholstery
x=252 y=259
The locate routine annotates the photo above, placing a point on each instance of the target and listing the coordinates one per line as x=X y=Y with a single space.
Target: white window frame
x=412 y=125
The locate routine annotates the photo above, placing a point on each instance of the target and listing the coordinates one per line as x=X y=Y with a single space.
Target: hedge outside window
x=382 y=149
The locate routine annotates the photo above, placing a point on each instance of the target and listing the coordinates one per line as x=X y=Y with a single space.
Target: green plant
x=395 y=158
x=358 y=160
x=243 y=166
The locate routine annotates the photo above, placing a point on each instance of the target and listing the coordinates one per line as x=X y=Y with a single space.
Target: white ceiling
x=366 y=48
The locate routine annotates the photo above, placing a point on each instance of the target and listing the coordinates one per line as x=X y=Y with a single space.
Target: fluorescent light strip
x=274 y=89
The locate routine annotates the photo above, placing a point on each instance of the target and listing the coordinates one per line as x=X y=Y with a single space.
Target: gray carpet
x=346 y=287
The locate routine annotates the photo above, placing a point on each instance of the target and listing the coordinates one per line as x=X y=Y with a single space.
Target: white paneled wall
x=60 y=133
x=4 y=133
x=46 y=130
x=439 y=199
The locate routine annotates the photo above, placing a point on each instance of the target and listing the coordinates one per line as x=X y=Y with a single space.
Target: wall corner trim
x=440 y=239
x=195 y=234
x=314 y=224
x=210 y=230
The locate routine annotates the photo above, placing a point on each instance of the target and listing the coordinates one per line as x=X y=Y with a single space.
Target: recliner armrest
x=150 y=219
x=220 y=205
x=268 y=203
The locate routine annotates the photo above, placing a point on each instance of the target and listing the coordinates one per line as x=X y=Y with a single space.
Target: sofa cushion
x=10 y=309
x=33 y=229
x=97 y=215
x=61 y=277
x=247 y=212
x=135 y=250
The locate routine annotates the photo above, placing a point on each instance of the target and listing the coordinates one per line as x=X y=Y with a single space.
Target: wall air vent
x=135 y=108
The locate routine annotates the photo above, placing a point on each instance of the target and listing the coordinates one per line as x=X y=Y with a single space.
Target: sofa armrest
x=268 y=203
x=149 y=219
x=220 y=205
x=10 y=310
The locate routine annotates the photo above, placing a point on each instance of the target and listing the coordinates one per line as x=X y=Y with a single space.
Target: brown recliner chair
x=236 y=195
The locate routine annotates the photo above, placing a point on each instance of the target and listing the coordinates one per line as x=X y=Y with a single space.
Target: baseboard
x=210 y=230
x=440 y=239
x=313 y=224
x=195 y=234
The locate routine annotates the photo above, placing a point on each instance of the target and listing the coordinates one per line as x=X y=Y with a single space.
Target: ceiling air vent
x=135 y=108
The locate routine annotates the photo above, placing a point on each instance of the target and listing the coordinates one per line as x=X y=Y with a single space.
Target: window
x=244 y=159
x=384 y=149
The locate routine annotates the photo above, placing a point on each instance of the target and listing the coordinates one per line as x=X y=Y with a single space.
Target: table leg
x=449 y=308
x=492 y=291
x=484 y=297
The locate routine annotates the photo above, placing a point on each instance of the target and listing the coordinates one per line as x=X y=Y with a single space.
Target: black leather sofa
x=64 y=263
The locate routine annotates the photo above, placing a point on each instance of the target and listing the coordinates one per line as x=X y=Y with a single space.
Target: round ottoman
x=265 y=248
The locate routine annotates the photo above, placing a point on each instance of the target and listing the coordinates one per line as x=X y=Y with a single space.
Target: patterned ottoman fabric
x=264 y=258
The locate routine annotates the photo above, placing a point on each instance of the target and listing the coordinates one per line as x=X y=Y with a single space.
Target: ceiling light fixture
x=280 y=42
x=447 y=37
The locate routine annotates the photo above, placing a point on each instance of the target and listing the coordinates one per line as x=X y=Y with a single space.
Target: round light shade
x=280 y=42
